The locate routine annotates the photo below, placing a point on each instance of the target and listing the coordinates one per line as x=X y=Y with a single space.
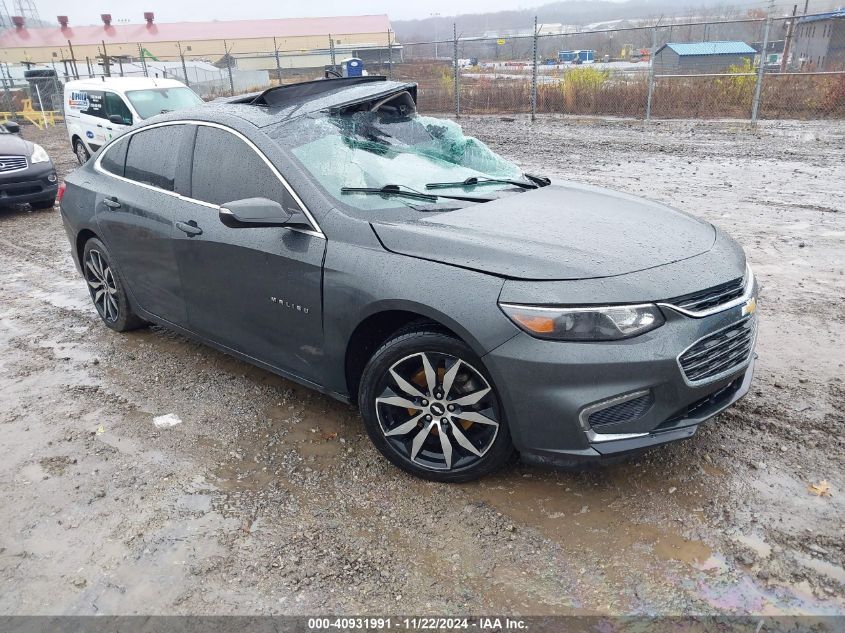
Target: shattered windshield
x=373 y=149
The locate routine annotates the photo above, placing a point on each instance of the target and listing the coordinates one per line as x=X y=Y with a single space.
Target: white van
x=98 y=109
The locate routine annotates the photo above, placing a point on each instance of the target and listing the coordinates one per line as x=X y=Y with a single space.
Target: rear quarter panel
x=77 y=208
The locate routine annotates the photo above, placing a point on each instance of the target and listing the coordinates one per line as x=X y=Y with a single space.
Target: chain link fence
x=727 y=69
x=747 y=68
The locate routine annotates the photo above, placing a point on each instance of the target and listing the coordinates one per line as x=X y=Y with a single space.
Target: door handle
x=112 y=203
x=189 y=228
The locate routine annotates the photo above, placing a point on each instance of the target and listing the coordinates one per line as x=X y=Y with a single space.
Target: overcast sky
x=88 y=12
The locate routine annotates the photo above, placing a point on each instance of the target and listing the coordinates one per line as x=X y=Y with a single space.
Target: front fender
x=359 y=282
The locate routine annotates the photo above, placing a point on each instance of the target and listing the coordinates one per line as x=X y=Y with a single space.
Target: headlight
x=39 y=155
x=609 y=323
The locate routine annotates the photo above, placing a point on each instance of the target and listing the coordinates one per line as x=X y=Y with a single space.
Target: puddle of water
x=756 y=543
x=583 y=515
x=746 y=596
x=834 y=572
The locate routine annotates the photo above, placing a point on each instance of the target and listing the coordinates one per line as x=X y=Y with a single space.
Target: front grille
x=622 y=412
x=11 y=163
x=719 y=353
x=712 y=297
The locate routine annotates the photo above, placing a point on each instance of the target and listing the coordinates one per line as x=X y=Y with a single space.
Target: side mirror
x=13 y=127
x=118 y=120
x=255 y=212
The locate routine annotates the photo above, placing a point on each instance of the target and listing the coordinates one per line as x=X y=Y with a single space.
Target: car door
x=113 y=104
x=92 y=120
x=136 y=214
x=254 y=289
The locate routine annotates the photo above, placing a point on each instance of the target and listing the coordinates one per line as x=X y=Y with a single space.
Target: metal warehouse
x=701 y=57
x=251 y=44
x=820 y=42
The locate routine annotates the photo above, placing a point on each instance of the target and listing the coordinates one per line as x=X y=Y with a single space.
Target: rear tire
x=82 y=153
x=107 y=289
x=430 y=407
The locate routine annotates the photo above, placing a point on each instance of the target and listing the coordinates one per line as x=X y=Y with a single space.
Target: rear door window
x=115 y=156
x=227 y=169
x=95 y=107
x=153 y=156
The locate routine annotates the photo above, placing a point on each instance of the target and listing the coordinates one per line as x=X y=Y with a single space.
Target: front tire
x=82 y=153
x=106 y=287
x=430 y=407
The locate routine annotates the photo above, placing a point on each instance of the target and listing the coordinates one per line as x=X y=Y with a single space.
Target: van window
x=114 y=104
x=226 y=169
x=155 y=101
x=153 y=156
x=115 y=156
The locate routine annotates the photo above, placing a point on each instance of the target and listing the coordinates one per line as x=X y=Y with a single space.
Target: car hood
x=14 y=145
x=559 y=232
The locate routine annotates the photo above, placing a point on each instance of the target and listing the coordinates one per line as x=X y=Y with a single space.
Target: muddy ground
x=269 y=498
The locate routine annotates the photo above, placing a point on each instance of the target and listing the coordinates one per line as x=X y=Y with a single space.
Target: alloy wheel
x=102 y=285
x=81 y=153
x=438 y=411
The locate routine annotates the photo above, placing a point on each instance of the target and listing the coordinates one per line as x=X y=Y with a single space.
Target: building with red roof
x=251 y=44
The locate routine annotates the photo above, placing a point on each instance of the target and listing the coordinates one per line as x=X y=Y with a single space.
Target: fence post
x=758 y=87
x=456 y=71
x=229 y=67
x=278 y=65
x=8 y=94
x=534 y=76
x=184 y=67
x=389 y=57
x=651 y=74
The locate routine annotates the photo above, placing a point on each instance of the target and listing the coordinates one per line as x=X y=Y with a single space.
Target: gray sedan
x=329 y=233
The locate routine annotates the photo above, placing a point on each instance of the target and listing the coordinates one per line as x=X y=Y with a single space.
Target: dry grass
x=591 y=92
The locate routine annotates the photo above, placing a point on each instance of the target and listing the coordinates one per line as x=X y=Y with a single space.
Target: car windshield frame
x=145 y=111
x=370 y=149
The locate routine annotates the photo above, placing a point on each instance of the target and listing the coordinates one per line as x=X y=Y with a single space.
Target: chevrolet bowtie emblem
x=750 y=306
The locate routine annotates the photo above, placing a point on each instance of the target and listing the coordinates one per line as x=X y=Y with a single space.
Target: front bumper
x=548 y=389
x=32 y=184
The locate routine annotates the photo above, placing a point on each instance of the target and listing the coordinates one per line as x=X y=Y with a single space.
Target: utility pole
x=457 y=77
x=75 y=68
x=143 y=61
x=534 y=75
x=755 y=105
x=651 y=73
x=106 y=68
x=435 y=16
x=229 y=67
x=790 y=32
x=278 y=65
x=184 y=67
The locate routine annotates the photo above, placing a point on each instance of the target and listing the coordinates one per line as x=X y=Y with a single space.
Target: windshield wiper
x=397 y=190
x=474 y=180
